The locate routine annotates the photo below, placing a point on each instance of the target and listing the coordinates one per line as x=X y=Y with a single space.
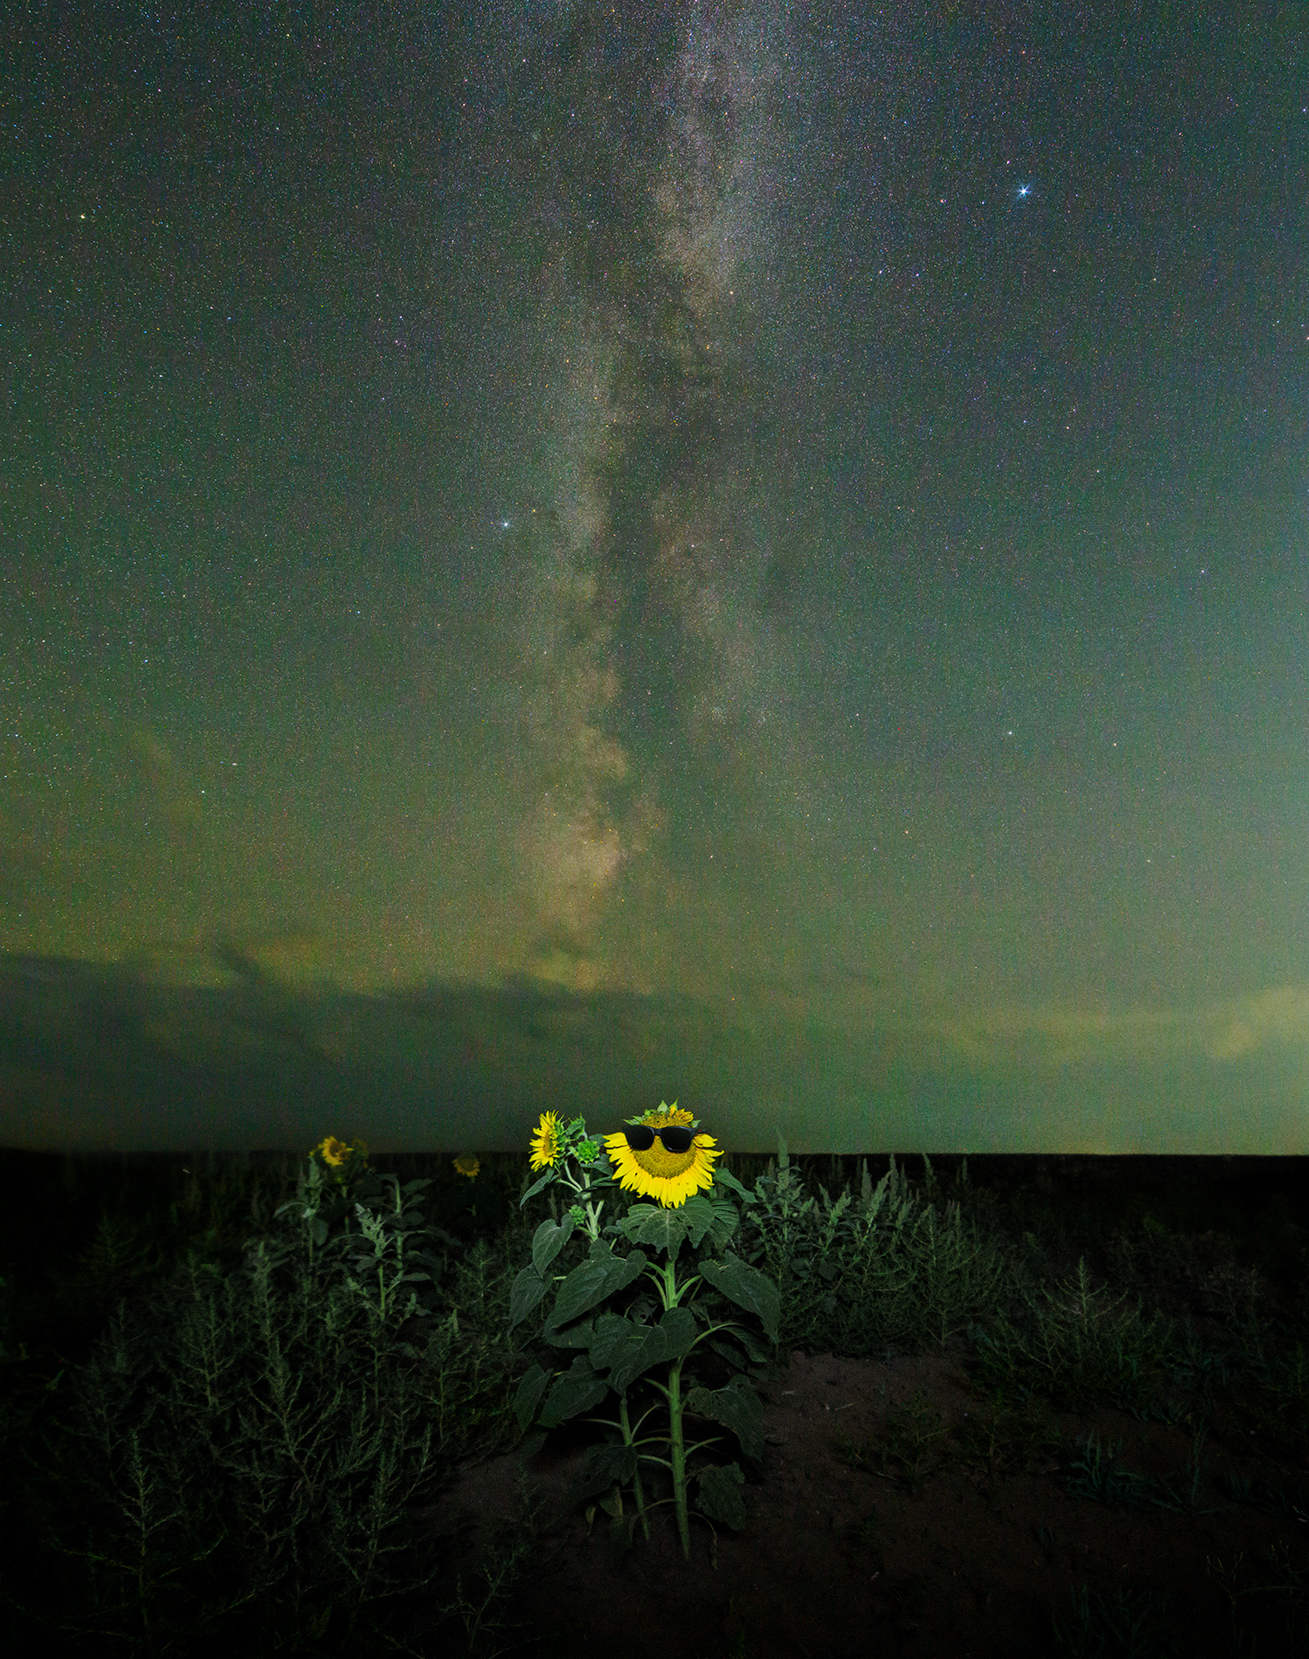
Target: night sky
x=799 y=508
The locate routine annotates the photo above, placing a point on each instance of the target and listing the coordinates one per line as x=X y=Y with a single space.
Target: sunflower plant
x=635 y=1317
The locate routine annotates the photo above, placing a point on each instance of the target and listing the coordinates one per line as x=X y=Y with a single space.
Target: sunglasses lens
x=640 y=1137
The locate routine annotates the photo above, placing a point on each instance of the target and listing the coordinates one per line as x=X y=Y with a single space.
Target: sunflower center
x=661 y=1163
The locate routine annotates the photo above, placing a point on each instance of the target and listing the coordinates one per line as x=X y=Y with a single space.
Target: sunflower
x=332 y=1151
x=671 y=1177
x=547 y=1142
x=337 y=1154
x=467 y=1163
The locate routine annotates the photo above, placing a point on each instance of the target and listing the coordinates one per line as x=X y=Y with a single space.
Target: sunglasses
x=676 y=1138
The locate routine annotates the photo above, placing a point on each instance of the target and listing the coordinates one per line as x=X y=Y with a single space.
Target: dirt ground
x=944 y=1532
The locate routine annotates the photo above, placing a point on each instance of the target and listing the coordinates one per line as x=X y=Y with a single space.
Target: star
x=1024 y=190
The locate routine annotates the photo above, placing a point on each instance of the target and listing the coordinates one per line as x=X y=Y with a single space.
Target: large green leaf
x=720 y=1496
x=548 y=1240
x=697 y=1217
x=737 y=1407
x=611 y=1334
x=594 y=1280
x=575 y=1391
x=747 y=1287
x=725 y=1343
x=527 y=1290
x=653 y=1225
x=672 y=1338
x=601 y=1467
x=581 y=1335
x=528 y=1397
x=726 y=1221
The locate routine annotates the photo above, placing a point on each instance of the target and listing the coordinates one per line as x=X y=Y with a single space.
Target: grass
x=220 y=1439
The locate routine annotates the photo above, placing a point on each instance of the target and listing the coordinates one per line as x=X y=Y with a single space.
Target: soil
x=949 y=1533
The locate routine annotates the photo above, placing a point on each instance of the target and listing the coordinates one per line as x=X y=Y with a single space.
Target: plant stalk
x=636 y=1478
x=678 y=1448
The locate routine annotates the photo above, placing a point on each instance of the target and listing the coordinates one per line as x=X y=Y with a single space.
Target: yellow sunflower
x=547 y=1141
x=671 y=1177
x=467 y=1163
x=338 y=1154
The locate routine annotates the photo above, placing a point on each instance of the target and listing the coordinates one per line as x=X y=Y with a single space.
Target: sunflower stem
x=678 y=1449
x=636 y=1478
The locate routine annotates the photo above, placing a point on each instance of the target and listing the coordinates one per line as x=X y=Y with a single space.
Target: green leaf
x=601 y=1467
x=697 y=1217
x=592 y=1282
x=611 y=1334
x=621 y=1530
x=726 y=1221
x=532 y=1191
x=720 y=1496
x=528 y=1397
x=653 y=1225
x=724 y=1343
x=747 y=1287
x=575 y=1391
x=737 y=1407
x=528 y=1289
x=672 y=1338
x=548 y=1240
x=576 y=1336
x=724 y=1178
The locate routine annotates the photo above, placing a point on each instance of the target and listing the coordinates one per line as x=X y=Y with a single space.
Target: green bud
x=578 y=1214
x=588 y=1151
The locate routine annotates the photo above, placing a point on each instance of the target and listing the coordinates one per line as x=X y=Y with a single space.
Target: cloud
x=1228 y=1031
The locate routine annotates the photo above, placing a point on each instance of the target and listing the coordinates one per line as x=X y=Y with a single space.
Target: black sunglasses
x=676 y=1138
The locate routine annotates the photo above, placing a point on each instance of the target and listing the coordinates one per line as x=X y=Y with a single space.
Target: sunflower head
x=547 y=1141
x=669 y=1177
x=467 y=1164
x=340 y=1156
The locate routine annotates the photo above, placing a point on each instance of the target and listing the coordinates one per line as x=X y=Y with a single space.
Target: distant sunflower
x=337 y=1154
x=467 y=1164
x=547 y=1141
x=670 y=1177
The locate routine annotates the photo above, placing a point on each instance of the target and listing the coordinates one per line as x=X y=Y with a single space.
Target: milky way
x=640 y=613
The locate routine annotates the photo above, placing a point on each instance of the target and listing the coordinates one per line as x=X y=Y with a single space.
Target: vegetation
x=225 y=1422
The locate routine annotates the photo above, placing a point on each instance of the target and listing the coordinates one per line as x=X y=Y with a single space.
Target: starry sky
x=798 y=509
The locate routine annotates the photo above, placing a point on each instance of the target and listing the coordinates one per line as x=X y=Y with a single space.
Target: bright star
x=1024 y=190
